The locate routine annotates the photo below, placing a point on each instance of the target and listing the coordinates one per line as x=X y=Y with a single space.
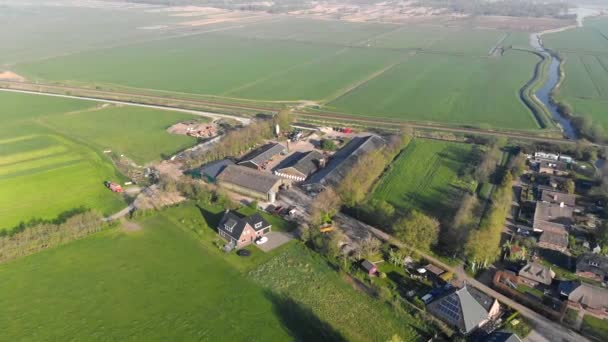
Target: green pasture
x=453 y=89
x=154 y=284
x=425 y=177
x=138 y=133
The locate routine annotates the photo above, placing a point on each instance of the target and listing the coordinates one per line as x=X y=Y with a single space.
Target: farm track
x=160 y=102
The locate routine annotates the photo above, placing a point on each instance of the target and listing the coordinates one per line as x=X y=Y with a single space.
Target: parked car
x=261 y=240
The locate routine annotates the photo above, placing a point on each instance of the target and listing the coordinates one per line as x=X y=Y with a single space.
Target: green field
x=585 y=54
x=413 y=72
x=425 y=177
x=50 y=153
x=595 y=327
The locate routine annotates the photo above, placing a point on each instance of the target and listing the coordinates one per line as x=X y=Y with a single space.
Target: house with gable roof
x=240 y=231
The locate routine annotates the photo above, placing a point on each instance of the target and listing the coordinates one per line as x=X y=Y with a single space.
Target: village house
x=592 y=266
x=551 y=167
x=342 y=161
x=558 y=198
x=534 y=274
x=250 y=182
x=465 y=309
x=257 y=159
x=240 y=231
x=299 y=166
x=585 y=296
x=553 y=221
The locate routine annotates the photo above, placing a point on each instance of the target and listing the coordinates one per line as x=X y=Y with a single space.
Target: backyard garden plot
x=138 y=133
x=451 y=89
x=153 y=284
x=425 y=177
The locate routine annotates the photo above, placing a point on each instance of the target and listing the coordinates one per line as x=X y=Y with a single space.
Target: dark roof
x=249 y=178
x=553 y=164
x=556 y=197
x=593 y=263
x=305 y=163
x=367 y=265
x=547 y=215
x=555 y=237
x=464 y=308
x=537 y=272
x=344 y=159
x=263 y=154
x=586 y=294
x=234 y=223
x=502 y=336
x=215 y=168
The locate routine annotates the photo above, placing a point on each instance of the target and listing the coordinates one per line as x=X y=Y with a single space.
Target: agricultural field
x=425 y=177
x=413 y=72
x=585 y=54
x=50 y=153
x=153 y=284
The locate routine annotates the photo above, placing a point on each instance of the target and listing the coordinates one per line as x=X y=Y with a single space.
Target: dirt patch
x=194 y=128
x=155 y=198
x=130 y=226
x=11 y=76
x=169 y=168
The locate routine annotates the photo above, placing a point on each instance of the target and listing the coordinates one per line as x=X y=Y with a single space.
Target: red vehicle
x=347 y=130
x=113 y=186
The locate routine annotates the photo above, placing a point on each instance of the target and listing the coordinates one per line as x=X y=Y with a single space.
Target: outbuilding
x=250 y=182
x=369 y=267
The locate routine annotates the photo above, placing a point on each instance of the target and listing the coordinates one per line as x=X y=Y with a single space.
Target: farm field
x=153 y=284
x=585 y=54
x=138 y=133
x=50 y=153
x=367 y=69
x=453 y=89
x=424 y=177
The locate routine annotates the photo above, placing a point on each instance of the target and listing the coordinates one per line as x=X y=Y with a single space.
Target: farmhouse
x=300 y=165
x=534 y=274
x=592 y=266
x=210 y=171
x=465 y=309
x=250 y=182
x=342 y=161
x=241 y=231
x=585 y=296
x=257 y=159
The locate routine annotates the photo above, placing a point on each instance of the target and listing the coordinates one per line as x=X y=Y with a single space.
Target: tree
x=284 y=119
x=418 y=229
x=325 y=206
x=368 y=247
x=569 y=186
x=328 y=145
x=602 y=236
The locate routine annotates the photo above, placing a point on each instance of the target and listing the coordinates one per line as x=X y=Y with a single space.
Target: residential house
x=558 y=198
x=250 y=182
x=586 y=296
x=534 y=274
x=342 y=161
x=369 y=267
x=553 y=221
x=240 y=231
x=552 y=167
x=299 y=166
x=465 y=309
x=592 y=266
x=257 y=159
x=210 y=171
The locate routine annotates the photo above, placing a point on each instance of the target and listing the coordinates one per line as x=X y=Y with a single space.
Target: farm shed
x=257 y=159
x=240 y=231
x=342 y=161
x=250 y=182
x=210 y=171
x=369 y=267
x=300 y=165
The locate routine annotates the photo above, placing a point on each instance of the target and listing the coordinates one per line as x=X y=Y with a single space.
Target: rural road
x=544 y=328
x=214 y=116
x=105 y=96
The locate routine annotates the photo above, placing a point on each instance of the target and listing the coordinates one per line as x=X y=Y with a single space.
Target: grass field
x=585 y=53
x=595 y=327
x=414 y=72
x=155 y=284
x=424 y=177
x=50 y=153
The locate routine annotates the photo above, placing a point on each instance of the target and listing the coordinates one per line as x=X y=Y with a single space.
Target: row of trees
x=39 y=235
x=512 y=8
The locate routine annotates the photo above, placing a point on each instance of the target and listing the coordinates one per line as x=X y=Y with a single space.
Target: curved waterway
x=544 y=93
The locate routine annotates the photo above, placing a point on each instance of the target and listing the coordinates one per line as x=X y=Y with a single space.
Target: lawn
x=425 y=177
x=307 y=280
x=453 y=89
x=595 y=327
x=154 y=284
x=138 y=133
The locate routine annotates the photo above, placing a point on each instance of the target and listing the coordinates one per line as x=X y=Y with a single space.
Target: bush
x=328 y=145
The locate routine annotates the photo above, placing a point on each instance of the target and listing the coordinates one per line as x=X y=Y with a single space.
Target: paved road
x=214 y=116
x=544 y=328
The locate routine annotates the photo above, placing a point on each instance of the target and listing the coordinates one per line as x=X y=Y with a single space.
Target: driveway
x=275 y=239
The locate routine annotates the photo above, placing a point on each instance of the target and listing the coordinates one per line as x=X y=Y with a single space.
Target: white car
x=261 y=240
